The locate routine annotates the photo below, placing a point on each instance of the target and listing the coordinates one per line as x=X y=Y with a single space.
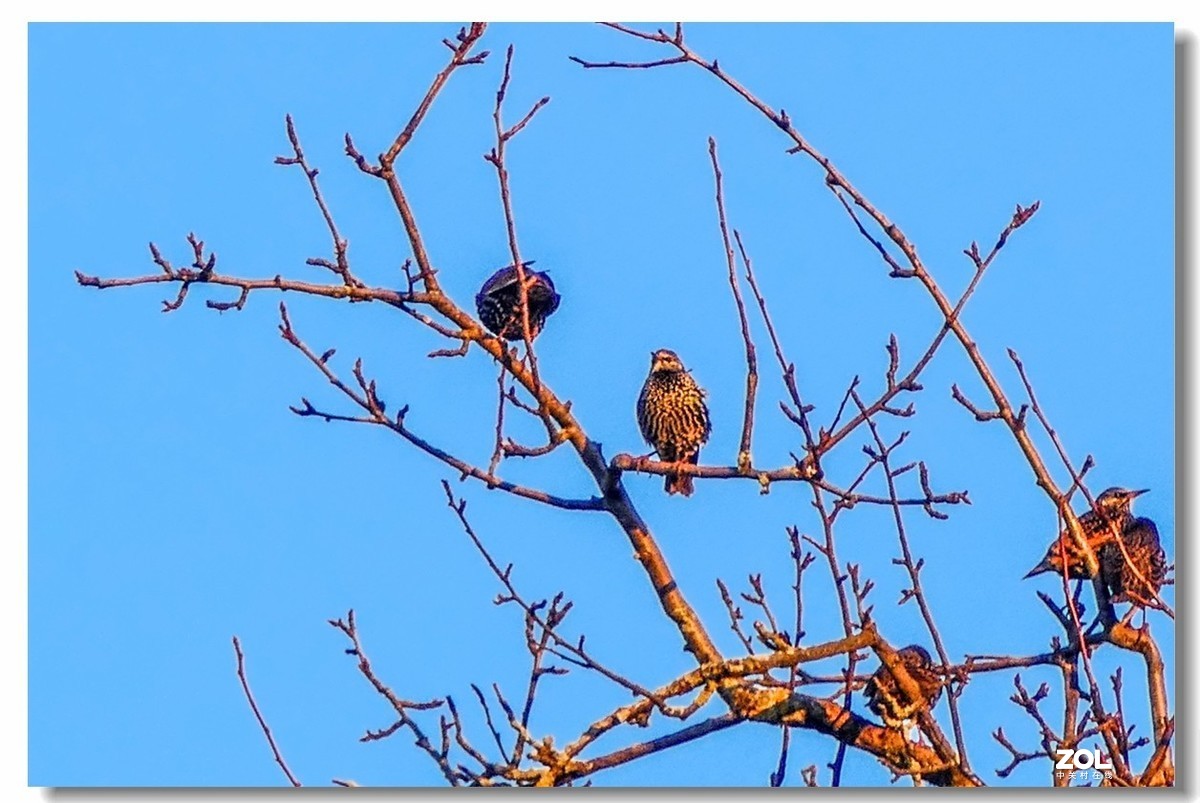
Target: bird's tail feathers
x=682 y=483
x=679 y=484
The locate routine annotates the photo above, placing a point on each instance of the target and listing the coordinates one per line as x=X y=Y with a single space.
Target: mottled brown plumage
x=672 y=416
x=1115 y=506
x=889 y=702
x=1145 y=552
x=498 y=302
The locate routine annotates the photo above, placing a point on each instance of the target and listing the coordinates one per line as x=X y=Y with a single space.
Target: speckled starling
x=672 y=416
x=888 y=701
x=1115 y=506
x=1140 y=538
x=498 y=302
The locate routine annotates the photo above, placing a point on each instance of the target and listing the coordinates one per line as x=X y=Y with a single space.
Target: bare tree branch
x=262 y=723
x=743 y=458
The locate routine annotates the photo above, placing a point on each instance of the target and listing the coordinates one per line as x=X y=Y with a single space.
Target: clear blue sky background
x=174 y=501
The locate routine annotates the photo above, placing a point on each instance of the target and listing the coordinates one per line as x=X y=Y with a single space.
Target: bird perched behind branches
x=887 y=700
x=498 y=302
x=1146 y=554
x=1116 y=507
x=672 y=416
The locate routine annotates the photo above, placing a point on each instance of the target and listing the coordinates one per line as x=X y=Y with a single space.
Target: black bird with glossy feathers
x=1116 y=507
x=672 y=416
x=1146 y=554
x=498 y=302
x=888 y=701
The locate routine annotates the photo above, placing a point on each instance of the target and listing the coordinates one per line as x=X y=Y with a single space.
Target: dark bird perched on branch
x=672 y=416
x=888 y=701
x=498 y=302
x=1116 y=507
x=1146 y=554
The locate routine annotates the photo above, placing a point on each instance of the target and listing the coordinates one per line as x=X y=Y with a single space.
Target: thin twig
x=262 y=723
x=743 y=457
x=401 y=707
x=342 y=268
x=467 y=38
x=497 y=158
x=788 y=369
x=913 y=569
x=369 y=401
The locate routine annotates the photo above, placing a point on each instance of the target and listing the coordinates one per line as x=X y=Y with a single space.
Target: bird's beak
x=1138 y=493
x=1044 y=566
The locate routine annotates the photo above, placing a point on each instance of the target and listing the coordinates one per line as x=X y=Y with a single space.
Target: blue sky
x=174 y=501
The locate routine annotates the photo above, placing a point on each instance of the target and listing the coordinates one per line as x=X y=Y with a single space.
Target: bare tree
x=775 y=678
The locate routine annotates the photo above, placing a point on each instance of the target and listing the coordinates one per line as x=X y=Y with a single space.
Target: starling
x=672 y=416
x=1140 y=538
x=498 y=302
x=889 y=702
x=1115 y=506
